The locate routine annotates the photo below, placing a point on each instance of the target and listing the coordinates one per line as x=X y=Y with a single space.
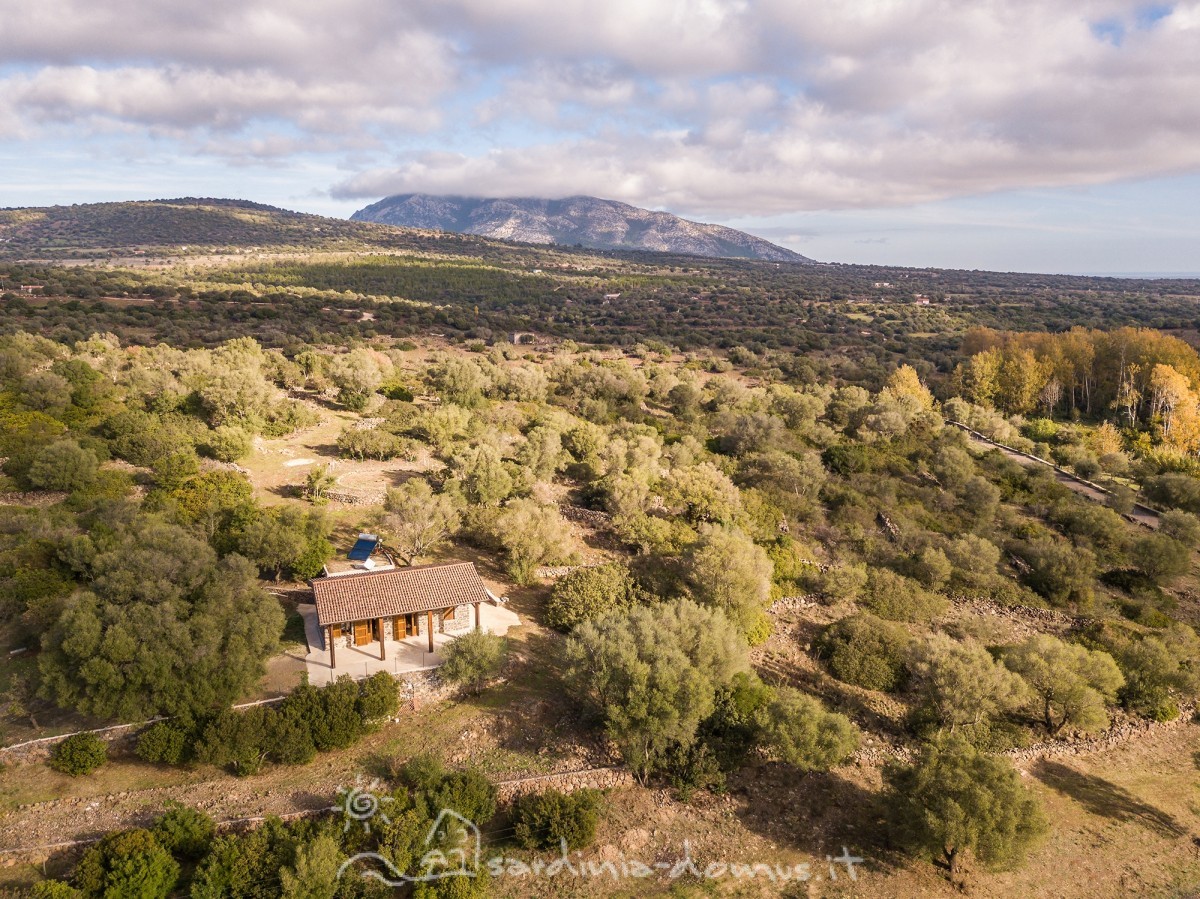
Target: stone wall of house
x=462 y=621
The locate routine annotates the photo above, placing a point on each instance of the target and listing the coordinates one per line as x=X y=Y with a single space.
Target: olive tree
x=416 y=520
x=651 y=675
x=1071 y=684
x=956 y=801
x=728 y=571
x=961 y=684
x=802 y=733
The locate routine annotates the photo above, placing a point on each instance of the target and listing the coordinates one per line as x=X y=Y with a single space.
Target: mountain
x=199 y=225
x=588 y=221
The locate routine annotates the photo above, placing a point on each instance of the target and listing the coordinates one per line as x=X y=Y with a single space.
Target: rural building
x=398 y=605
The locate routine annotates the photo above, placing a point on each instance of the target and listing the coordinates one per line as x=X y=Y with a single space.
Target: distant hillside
x=174 y=224
x=587 y=221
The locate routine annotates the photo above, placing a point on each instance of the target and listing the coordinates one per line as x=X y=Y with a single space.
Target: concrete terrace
x=403 y=656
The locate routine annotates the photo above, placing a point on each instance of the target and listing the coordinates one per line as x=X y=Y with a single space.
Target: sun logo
x=362 y=804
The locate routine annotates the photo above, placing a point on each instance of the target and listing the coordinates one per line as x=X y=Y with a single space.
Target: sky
x=1026 y=135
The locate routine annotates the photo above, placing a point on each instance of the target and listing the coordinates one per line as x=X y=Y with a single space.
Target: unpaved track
x=1139 y=513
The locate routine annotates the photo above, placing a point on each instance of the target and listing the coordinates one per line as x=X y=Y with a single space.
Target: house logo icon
x=452 y=849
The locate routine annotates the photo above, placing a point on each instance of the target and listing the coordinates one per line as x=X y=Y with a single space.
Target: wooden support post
x=382 y=648
x=429 y=621
x=332 y=645
x=477 y=625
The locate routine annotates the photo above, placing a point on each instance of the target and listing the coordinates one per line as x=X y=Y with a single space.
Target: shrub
x=378 y=697
x=128 y=863
x=866 y=651
x=53 y=889
x=1177 y=491
x=226 y=443
x=898 y=598
x=63 y=465
x=552 y=819
x=79 y=754
x=802 y=733
x=1181 y=526
x=1161 y=558
x=163 y=743
x=841 y=582
x=433 y=786
x=473 y=659
x=588 y=593
x=185 y=832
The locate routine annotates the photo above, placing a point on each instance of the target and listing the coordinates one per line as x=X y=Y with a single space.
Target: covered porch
x=395 y=656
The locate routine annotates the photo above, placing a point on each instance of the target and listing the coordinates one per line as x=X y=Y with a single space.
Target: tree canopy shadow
x=815 y=812
x=1100 y=797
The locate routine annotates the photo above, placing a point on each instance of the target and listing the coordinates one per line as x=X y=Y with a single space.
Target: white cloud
x=702 y=106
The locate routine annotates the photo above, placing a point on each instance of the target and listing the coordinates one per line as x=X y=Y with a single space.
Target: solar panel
x=363 y=547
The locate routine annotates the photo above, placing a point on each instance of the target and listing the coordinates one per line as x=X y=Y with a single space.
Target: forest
x=795 y=568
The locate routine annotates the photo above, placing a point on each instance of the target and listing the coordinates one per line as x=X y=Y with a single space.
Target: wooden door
x=362 y=633
x=335 y=631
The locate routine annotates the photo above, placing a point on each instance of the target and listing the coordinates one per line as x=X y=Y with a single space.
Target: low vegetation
x=759 y=557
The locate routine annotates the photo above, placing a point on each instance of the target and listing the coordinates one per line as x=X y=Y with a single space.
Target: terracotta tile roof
x=397 y=591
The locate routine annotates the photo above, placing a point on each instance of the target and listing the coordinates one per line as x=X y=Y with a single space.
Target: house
x=398 y=606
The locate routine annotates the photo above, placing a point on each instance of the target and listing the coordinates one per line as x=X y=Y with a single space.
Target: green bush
x=865 y=651
x=378 y=697
x=184 y=832
x=53 y=889
x=587 y=593
x=473 y=659
x=898 y=598
x=129 y=863
x=435 y=787
x=552 y=819
x=163 y=743
x=79 y=754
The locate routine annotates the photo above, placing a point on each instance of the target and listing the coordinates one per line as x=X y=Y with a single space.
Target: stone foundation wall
x=565 y=782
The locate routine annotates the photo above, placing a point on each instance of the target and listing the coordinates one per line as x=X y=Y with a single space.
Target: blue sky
x=1000 y=134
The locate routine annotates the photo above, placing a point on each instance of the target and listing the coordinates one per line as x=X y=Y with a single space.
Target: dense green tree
x=212 y=627
x=803 y=734
x=128 y=863
x=63 y=465
x=1160 y=670
x=961 y=684
x=728 y=571
x=287 y=540
x=1071 y=683
x=956 y=801
x=473 y=659
x=551 y=819
x=482 y=475
x=532 y=534
x=184 y=832
x=246 y=866
x=651 y=674
x=590 y=593
x=315 y=872
x=416 y=520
